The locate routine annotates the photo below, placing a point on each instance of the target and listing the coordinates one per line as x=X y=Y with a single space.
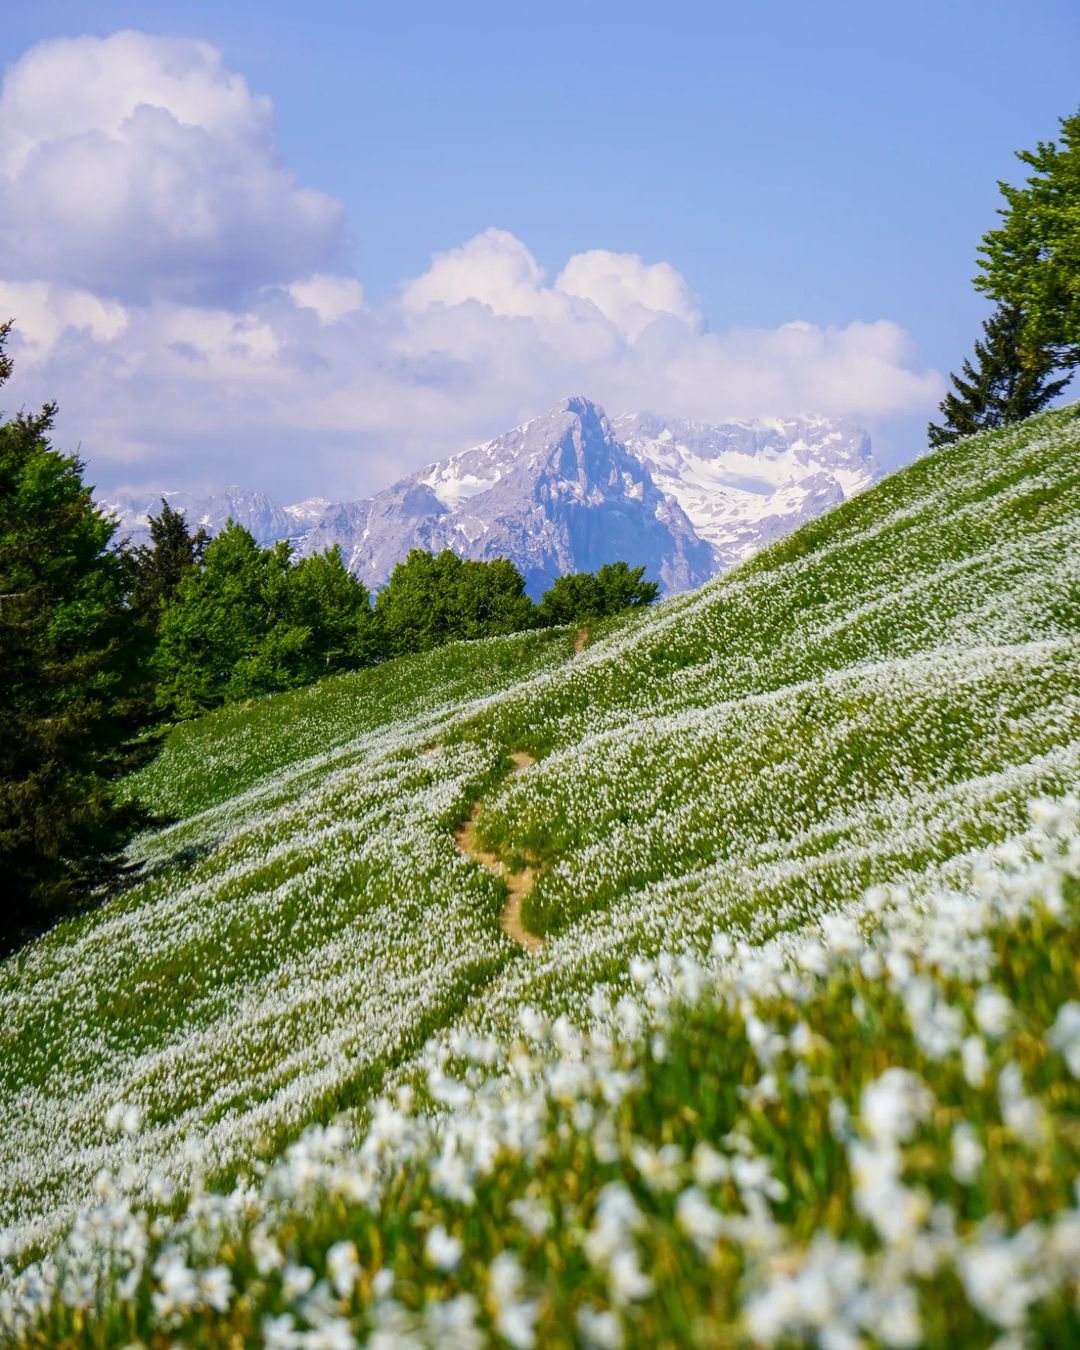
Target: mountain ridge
x=570 y=490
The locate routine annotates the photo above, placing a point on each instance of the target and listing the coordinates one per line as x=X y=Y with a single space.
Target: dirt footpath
x=518 y=884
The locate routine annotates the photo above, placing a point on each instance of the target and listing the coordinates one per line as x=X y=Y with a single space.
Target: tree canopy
x=435 y=598
x=161 y=565
x=1031 y=262
x=251 y=621
x=585 y=597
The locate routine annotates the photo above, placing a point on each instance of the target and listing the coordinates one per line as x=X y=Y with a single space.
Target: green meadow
x=796 y=1063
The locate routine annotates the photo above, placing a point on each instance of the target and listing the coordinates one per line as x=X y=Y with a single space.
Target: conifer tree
x=251 y=621
x=71 y=681
x=1004 y=384
x=160 y=566
x=1032 y=260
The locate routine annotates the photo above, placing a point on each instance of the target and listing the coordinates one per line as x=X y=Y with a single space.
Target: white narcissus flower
x=893 y=1106
x=967 y=1154
x=343 y=1267
x=442 y=1250
x=993 y=1011
x=698 y=1219
x=599 y=1328
x=1064 y=1036
x=215 y=1288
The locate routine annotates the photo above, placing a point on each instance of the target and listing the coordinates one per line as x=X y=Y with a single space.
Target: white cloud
x=45 y=313
x=629 y=292
x=177 y=293
x=139 y=167
x=330 y=297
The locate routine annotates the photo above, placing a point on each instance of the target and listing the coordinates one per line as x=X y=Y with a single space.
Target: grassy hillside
x=872 y=703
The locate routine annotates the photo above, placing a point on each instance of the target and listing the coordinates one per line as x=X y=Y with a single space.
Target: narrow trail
x=518 y=884
x=580 y=640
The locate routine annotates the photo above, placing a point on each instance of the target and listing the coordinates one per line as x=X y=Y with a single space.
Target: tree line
x=229 y=620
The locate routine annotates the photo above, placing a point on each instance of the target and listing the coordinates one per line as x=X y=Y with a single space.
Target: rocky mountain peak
x=570 y=490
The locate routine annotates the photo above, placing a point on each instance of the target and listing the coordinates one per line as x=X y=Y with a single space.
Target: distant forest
x=229 y=620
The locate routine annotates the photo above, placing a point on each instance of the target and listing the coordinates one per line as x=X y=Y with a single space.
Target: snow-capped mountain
x=558 y=494
x=266 y=520
x=569 y=491
x=743 y=484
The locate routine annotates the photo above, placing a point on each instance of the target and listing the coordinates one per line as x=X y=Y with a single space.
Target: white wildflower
x=515 y=1317
x=893 y=1106
x=698 y=1219
x=627 y=1280
x=215 y=1288
x=343 y=1267
x=443 y=1250
x=967 y=1154
x=974 y=1061
x=709 y=1166
x=599 y=1328
x=993 y=1011
x=1064 y=1035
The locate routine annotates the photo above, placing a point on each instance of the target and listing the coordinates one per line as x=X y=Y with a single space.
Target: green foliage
x=585 y=597
x=71 y=688
x=250 y=621
x=1005 y=385
x=432 y=599
x=161 y=565
x=1031 y=262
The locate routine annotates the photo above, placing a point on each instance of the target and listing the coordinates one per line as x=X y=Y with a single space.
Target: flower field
x=796 y=1063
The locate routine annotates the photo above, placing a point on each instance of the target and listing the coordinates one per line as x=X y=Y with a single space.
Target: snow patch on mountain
x=569 y=491
x=743 y=484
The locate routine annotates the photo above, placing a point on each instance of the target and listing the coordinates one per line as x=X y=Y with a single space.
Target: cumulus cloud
x=178 y=293
x=630 y=293
x=139 y=167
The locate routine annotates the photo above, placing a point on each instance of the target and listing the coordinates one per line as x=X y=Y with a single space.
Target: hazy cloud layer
x=179 y=294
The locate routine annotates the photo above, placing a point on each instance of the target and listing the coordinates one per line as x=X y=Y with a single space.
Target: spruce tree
x=71 y=681
x=1005 y=384
x=161 y=565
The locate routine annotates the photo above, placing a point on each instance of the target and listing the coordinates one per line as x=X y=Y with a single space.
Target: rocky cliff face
x=569 y=491
x=559 y=494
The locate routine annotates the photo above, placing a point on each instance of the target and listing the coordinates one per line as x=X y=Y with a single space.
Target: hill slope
x=867 y=701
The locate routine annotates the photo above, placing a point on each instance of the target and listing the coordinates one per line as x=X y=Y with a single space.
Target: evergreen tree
x=71 y=681
x=160 y=566
x=336 y=608
x=1031 y=262
x=1005 y=384
x=251 y=621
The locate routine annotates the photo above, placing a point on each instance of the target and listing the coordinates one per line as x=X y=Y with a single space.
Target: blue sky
x=833 y=164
